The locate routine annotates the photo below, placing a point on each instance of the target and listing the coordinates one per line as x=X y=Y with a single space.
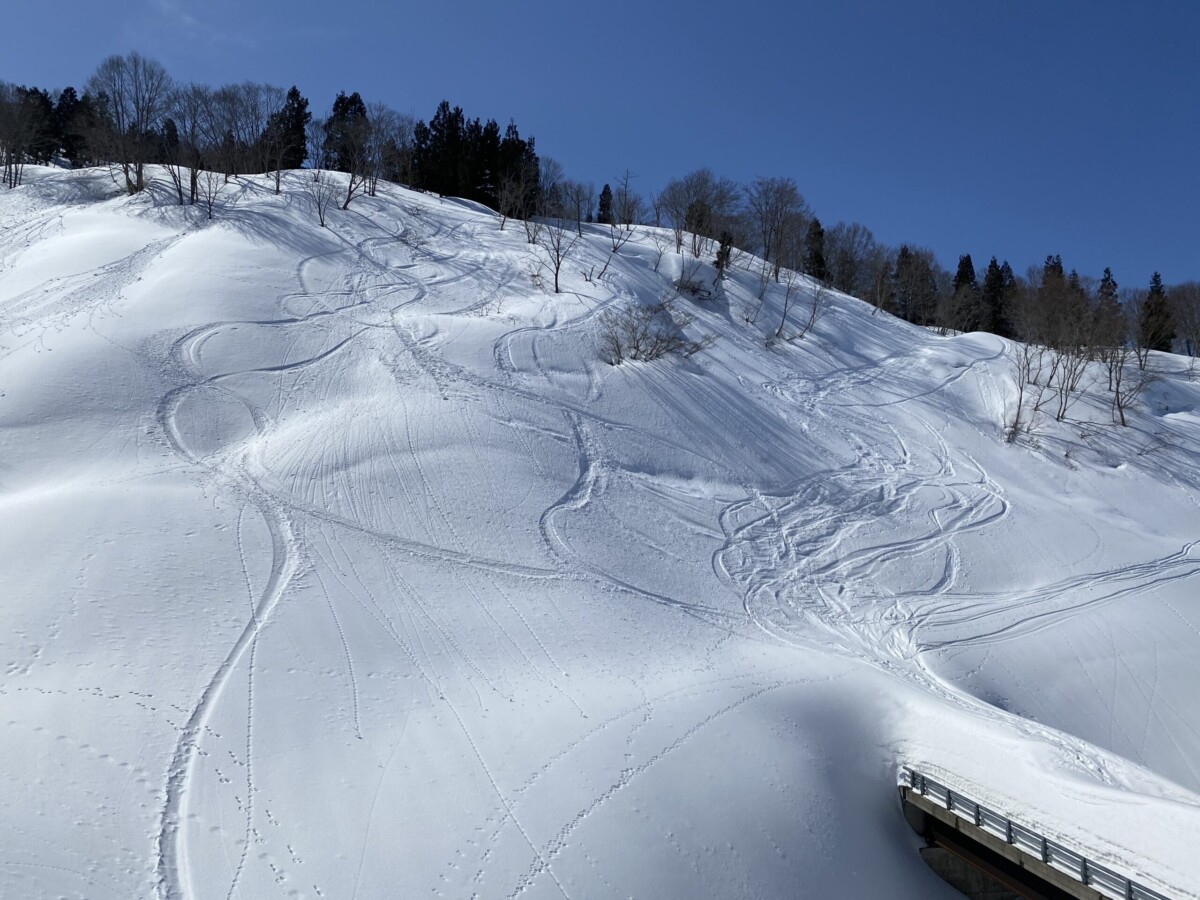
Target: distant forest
x=132 y=115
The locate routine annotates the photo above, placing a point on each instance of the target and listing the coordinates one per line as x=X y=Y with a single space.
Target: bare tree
x=511 y=190
x=662 y=241
x=315 y=140
x=275 y=141
x=211 y=184
x=1128 y=384
x=628 y=205
x=549 y=200
x=578 y=197
x=795 y=286
x=137 y=90
x=773 y=205
x=1028 y=362
x=557 y=241
x=818 y=305
x=791 y=287
x=656 y=209
x=355 y=155
x=189 y=107
x=850 y=251
x=702 y=205
x=221 y=127
x=24 y=123
x=1029 y=358
x=389 y=135
x=1131 y=301
x=322 y=189
x=1185 y=310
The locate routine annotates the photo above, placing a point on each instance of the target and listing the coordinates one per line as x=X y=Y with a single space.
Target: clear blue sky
x=1007 y=127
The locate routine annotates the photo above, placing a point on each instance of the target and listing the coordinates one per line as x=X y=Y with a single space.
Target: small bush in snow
x=647 y=333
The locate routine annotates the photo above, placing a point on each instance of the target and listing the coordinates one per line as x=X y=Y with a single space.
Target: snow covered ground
x=337 y=563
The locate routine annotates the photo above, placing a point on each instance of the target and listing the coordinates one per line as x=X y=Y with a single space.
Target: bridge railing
x=1098 y=877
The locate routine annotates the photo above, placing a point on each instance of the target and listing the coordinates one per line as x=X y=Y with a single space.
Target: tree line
x=132 y=115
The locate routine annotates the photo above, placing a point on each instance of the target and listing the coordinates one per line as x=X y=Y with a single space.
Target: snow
x=337 y=563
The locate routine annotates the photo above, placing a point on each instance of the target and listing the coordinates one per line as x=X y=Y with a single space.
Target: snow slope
x=337 y=563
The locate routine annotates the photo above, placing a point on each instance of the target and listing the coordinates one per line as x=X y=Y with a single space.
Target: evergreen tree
x=69 y=126
x=965 y=276
x=286 y=130
x=440 y=155
x=992 y=298
x=37 y=114
x=814 y=251
x=1062 y=306
x=1106 y=293
x=1108 y=320
x=519 y=166
x=604 y=215
x=485 y=163
x=1156 y=326
x=1008 y=300
x=964 y=310
x=343 y=143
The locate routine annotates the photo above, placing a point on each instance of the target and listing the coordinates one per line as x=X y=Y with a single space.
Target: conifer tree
x=343 y=143
x=962 y=309
x=992 y=298
x=814 y=251
x=1156 y=326
x=1109 y=326
x=70 y=125
x=287 y=129
x=965 y=276
x=604 y=214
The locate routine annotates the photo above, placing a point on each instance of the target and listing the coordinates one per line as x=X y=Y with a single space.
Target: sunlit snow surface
x=337 y=563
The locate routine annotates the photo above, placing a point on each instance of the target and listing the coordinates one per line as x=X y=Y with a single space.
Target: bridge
x=989 y=856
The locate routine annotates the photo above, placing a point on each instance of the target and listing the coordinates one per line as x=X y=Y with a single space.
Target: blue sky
x=1010 y=128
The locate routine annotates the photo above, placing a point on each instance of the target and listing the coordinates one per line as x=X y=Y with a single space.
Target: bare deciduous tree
x=1029 y=358
x=511 y=190
x=322 y=189
x=211 y=184
x=557 y=241
x=700 y=204
x=189 y=108
x=773 y=206
x=314 y=139
x=1131 y=301
x=23 y=124
x=578 y=197
x=137 y=90
x=628 y=204
x=1185 y=310
x=1128 y=384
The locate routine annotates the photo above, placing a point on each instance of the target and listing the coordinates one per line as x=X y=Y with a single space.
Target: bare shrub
x=645 y=333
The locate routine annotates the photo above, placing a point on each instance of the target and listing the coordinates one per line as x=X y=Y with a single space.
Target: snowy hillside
x=338 y=563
